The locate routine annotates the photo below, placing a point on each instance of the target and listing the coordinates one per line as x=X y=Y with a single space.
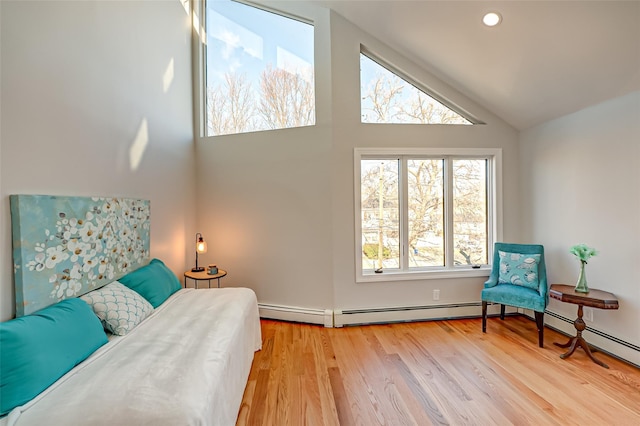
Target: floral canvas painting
x=67 y=246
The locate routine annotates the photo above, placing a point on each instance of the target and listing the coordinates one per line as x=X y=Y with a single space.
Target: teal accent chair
x=517 y=295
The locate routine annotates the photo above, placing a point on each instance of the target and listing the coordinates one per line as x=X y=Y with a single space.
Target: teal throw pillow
x=155 y=282
x=38 y=349
x=519 y=269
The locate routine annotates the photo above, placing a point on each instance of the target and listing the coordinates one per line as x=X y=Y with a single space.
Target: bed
x=176 y=356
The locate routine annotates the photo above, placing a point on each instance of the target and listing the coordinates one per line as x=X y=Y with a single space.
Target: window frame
x=494 y=212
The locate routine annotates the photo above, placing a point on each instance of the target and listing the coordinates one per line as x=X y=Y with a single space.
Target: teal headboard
x=66 y=246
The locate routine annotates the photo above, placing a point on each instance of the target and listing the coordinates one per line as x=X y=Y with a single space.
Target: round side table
x=203 y=276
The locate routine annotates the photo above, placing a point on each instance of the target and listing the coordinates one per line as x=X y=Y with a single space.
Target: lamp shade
x=201 y=245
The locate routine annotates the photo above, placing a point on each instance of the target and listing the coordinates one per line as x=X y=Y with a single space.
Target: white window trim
x=494 y=195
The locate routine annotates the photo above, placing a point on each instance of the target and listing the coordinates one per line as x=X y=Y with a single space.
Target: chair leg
x=540 y=324
x=502 y=312
x=484 y=317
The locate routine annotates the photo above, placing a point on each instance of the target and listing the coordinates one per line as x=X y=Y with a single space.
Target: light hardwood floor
x=438 y=372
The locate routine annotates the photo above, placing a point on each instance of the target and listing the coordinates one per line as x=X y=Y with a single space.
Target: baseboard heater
x=296 y=314
x=343 y=317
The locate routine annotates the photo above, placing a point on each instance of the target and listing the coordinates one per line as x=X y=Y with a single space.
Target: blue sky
x=245 y=39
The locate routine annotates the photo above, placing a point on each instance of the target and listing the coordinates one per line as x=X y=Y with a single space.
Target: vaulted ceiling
x=546 y=59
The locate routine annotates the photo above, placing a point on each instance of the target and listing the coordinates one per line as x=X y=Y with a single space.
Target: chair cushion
x=519 y=269
x=515 y=295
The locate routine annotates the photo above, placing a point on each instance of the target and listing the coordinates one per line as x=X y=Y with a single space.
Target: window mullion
x=490 y=202
x=448 y=212
x=404 y=214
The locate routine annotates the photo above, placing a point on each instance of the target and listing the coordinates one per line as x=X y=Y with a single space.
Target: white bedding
x=186 y=364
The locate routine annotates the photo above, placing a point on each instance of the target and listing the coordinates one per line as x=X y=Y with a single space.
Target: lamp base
x=200 y=269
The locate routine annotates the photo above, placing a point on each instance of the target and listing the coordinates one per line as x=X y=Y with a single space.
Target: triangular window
x=388 y=98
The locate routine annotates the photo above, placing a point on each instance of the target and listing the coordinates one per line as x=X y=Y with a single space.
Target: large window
x=259 y=70
x=424 y=212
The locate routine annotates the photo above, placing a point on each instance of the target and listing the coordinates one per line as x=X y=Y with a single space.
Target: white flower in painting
x=60 y=290
x=73 y=288
x=71 y=230
x=37 y=263
x=125 y=233
x=39 y=247
x=76 y=272
x=103 y=266
x=78 y=249
x=108 y=206
x=89 y=253
x=105 y=270
x=110 y=272
x=88 y=232
x=89 y=264
x=110 y=241
x=55 y=255
x=97 y=246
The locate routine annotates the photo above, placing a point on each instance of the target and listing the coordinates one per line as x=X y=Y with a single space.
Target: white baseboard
x=295 y=314
x=344 y=317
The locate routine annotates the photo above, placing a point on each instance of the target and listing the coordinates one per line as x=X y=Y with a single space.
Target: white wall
x=264 y=200
x=349 y=133
x=580 y=179
x=277 y=207
x=80 y=83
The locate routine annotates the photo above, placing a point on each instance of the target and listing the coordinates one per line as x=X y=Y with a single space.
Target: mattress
x=186 y=364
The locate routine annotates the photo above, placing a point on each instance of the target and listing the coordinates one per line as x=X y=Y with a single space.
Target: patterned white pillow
x=119 y=308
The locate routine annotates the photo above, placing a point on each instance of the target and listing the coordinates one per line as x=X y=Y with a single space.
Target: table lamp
x=201 y=247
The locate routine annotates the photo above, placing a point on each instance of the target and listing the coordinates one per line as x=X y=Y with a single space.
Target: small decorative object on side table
x=583 y=253
x=204 y=276
x=594 y=299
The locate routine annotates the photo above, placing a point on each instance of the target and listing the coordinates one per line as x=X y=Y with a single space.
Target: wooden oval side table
x=594 y=299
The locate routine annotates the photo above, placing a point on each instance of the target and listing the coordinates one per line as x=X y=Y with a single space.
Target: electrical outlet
x=588 y=314
x=436 y=294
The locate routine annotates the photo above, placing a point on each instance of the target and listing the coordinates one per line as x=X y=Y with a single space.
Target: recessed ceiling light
x=492 y=19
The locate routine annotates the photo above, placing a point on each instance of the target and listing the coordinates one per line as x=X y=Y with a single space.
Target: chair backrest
x=524 y=249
